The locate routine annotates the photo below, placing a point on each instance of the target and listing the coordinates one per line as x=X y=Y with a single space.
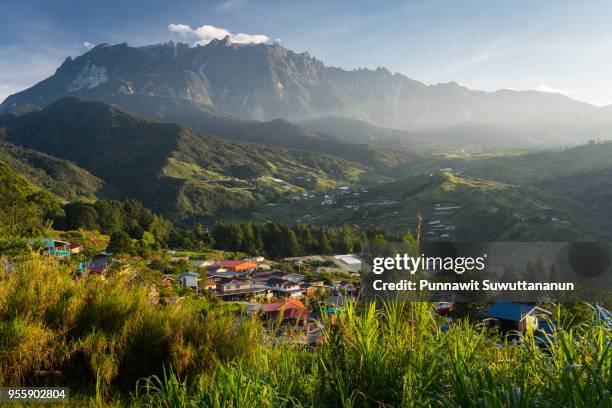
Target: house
x=200 y=263
x=99 y=263
x=345 y=287
x=339 y=301
x=210 y=285
x=262 y=275
x=229 y=284
x=256 y=259
x=516 y=317
x=351 y=262
x=313 y=288
x=261 y=278
x=53 y=247
x=240 y=289
x=168 y=281
x=294 y=277
x=286 y=309
x=284 y=287
x=224 y=274
x=262 y=266
x=75 y=248
x=189 y=279
x=233 y=266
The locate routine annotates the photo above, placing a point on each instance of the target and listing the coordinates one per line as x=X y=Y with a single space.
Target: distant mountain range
x=266 y=82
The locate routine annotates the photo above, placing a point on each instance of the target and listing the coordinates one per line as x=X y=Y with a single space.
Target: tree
x=22 y=211
x=81 y=215
x=324 y=246
x=110 y=216
x=121 y=243
x=235 y=237
x=221 y=235
x=250 y=244
x=379 y=240
x=146 y=244
x=344 y=241
x=409 y=243
x=292 y=246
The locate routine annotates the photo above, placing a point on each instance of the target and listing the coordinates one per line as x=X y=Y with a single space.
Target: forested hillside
x=174 y=169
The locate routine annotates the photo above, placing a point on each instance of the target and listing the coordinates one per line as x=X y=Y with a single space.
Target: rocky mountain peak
x=269 y=81
x=224 y=42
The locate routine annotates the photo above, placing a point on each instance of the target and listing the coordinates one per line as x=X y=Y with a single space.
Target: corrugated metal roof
x=510 y=311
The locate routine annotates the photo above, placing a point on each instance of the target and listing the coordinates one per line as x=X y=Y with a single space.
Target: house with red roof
x=287 y=308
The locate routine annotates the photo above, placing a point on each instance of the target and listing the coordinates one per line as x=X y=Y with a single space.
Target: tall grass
x=107 y=340
x=81 y=332
x=395 y=355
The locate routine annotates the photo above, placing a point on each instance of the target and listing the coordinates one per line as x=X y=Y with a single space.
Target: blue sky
x=563 y=46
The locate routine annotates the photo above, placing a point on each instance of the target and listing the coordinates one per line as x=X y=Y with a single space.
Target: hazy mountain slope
x=476 y=136
x=266 y=82
x=360 y=131
x=275 y=133
x=169 y=167
x=542 y=168
x=578 y=178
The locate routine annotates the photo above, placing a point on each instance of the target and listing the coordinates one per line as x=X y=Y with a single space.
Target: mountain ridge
x=266 y=82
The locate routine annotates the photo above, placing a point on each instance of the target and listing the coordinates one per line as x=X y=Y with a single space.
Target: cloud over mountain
x=206 y=33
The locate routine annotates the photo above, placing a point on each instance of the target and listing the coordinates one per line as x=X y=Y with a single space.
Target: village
x=299 y=295
x=294 y=293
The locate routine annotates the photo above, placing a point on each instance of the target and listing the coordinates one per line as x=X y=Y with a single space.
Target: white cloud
x=206 y=33
x=88 y=45
x=181 y=29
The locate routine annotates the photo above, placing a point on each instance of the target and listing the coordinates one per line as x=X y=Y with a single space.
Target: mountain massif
x=266 y=82
x=239 y=131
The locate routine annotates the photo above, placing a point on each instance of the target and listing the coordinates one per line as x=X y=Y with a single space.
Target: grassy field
x=111 y=342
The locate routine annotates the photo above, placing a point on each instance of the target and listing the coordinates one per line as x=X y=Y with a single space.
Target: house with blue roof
x=516 y=317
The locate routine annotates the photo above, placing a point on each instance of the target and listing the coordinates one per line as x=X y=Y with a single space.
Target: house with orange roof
x=233 y=266
x=287 y=308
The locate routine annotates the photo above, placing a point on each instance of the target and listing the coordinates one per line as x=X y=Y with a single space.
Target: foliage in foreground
x=108 y=340
x=397 y=356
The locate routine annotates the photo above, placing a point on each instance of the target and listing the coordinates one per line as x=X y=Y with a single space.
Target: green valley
x=195 y=174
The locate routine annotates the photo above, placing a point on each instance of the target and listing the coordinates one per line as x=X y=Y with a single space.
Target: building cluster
x=253 y=279
x=96 y=264
x=441 y=224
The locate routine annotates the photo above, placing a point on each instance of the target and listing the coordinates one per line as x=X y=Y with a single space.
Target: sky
x=552 y=46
